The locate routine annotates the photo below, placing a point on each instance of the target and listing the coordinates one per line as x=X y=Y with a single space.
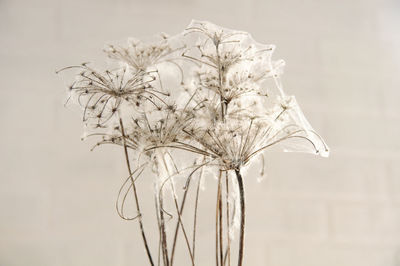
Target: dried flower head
x=141 y=55
x=237 y=82
x=102 y=94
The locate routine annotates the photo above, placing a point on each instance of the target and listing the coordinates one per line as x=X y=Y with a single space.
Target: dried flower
x=102 y=94
x=226 y=105
x=141 y=55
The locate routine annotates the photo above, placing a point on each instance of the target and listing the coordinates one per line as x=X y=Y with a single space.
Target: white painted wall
x=343 y=64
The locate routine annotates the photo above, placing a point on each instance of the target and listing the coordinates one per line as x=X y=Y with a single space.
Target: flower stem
x=217 y=228
x=195 y=214
x=221 y=247
x=228 y=248
x=168 y=171
x=178 y=224
x=242 y=216
x=186 y=188
x=220 y=74
x=164 y=246
x=135 y=194
x=160 y=199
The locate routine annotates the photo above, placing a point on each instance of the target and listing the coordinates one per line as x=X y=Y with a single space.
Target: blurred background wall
x=343 y=63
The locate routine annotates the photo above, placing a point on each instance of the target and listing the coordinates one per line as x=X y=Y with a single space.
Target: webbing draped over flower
x=210 y=92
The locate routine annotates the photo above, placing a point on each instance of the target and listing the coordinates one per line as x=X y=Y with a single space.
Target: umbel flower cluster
x=208 y=99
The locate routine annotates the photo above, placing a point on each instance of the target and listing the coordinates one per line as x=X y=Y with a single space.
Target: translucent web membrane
x=250 y=87
x=177 y=88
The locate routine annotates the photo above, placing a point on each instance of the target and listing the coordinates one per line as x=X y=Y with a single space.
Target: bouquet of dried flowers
x=206 y=100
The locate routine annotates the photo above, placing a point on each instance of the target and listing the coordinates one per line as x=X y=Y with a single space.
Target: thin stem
x=177 y=210
x=228 y=248
x=183 y=229
x=135 y=194
x=221 y=243
x=217 y=230
x=242 y=216
x=178 y=224
x=159 y=229
x=220 y=73
x=195 y=213
x=164 y=246
x=186 y=188
x=163 y=235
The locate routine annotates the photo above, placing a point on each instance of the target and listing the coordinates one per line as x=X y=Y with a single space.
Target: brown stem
x=183 y=230
x=177 y=225
x=228 y=248
x=195 y=214
x=135 y=194
x=221 y=243
x=217 y=230
x=164 y=247
x=242 y=216
x=161 y=211
x=159 y=229
x=180 y=213
x=220 y=73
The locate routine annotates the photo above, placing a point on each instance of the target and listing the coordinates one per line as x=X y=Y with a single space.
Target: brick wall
x=343 y=63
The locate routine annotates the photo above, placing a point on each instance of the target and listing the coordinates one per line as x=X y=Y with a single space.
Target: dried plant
x=210 y=92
